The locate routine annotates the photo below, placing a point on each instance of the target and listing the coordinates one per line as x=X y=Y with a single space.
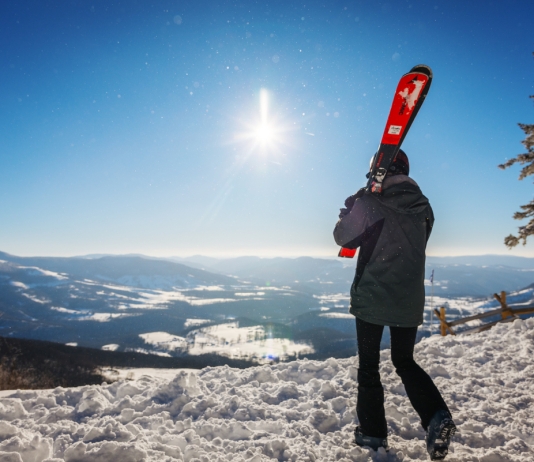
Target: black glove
x=349 y=203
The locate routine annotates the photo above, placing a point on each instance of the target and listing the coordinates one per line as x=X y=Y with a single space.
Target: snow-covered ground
x=296 y=411
x=135 y=373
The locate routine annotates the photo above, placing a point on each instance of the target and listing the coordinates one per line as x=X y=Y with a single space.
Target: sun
x=263 y=133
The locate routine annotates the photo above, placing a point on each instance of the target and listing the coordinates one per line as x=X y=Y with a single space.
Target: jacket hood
x=401 y=193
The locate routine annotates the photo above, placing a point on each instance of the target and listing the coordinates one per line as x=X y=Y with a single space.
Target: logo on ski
x=394 y=129
x=410 y=98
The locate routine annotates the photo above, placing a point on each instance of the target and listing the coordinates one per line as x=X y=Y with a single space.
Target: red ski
x=408 y=99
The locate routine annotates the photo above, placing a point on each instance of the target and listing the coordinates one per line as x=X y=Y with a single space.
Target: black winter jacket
x=391 y=230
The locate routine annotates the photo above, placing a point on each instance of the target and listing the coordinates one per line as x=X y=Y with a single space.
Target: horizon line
x=242 y=255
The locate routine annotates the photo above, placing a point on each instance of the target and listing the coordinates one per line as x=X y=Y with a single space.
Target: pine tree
x=528 y=209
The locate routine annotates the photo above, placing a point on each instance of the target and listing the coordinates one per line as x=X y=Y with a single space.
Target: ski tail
x=346 y=253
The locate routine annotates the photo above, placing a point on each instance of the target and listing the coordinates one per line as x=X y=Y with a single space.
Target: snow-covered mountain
x=132 y=271
x=112 y=303
x=297 y=411
x=256 y=308
x=469 y=276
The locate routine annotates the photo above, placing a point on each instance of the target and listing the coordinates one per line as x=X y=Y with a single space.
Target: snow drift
x=297 y=411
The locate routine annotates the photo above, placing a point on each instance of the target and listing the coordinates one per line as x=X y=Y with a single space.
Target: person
x=391 y=230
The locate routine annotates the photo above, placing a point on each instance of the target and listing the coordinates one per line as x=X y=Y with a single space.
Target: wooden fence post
x=506 y=311
x=444 y=325
x=442 y=321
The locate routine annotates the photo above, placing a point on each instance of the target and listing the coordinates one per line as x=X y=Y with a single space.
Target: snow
x=296 y=411
x=64 y=310
x=103 y=317
x=164 y=340
x=41 y=272
x=337 y=315
x=209 y=301
x=110 y=347
x=86 y=315
x=210 y=288
x=228 y=339
x=194 y=322
x=159 y=299
x=146 y=299
x=135 y=373
x=33 y=298
x=332 y=298
x=148 y=352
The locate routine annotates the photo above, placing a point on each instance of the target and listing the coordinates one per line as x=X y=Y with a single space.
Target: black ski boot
x=438 y=436
x=370 y=441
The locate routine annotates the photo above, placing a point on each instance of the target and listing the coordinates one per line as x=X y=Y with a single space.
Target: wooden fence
x=506 y=312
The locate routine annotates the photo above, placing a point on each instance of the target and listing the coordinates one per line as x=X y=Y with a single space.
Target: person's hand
x=349 y=203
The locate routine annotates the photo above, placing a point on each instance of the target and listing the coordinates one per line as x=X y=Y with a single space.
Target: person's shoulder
x=370 y=203
x=399 y=180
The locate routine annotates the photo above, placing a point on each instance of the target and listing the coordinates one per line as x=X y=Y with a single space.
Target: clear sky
x=232 y=128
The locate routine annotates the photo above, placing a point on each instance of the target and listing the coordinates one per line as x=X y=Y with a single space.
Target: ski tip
x=423 y=69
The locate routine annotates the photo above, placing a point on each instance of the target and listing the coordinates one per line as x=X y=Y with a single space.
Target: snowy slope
x=298 y=411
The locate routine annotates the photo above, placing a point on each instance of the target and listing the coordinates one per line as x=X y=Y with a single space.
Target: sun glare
x=264 y=133
x=264 y=104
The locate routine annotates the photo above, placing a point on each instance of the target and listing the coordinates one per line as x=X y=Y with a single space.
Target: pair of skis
x=409 y=97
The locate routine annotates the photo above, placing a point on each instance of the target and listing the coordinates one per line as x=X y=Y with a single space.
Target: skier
x=391 y=229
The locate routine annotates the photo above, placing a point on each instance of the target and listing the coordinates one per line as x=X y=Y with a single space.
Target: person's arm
x=351 y=226
x=429 y=222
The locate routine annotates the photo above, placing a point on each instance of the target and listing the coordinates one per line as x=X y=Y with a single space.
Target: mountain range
x=168 y=306
x=464 y=276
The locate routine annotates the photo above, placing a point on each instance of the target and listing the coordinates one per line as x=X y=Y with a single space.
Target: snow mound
x=297 y=411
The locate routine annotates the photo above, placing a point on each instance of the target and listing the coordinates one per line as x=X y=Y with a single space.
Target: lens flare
x=264 y=104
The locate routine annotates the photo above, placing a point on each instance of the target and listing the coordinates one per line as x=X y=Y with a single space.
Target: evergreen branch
x=525 y=158
x=511 y=241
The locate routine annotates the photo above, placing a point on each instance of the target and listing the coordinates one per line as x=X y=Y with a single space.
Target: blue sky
x=132 y=127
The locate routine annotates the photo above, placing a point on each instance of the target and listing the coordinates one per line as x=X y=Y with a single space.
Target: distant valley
x=246 y=307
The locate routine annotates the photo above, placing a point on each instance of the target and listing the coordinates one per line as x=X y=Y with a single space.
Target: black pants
x=423 y=394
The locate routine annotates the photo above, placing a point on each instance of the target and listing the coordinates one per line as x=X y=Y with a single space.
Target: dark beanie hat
x=400 y=164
